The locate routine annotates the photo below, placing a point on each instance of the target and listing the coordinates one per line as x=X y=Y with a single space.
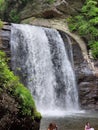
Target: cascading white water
x=40 y=58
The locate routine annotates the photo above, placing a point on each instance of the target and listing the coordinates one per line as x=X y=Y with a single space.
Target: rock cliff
x=45 y=9
x=53 y=15
x=10 y=117
x=86 y=70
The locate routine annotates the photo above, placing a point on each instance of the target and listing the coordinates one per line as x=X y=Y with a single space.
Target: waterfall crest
x=39 y=57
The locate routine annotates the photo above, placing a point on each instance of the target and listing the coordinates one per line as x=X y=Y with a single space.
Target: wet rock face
x=69 y=7
x=5 y=38
x=8 y=111
x=89 y=94
x=43 y=8
x=4 y=41
x=10 y=117
x=87 y=79
x=46 y=9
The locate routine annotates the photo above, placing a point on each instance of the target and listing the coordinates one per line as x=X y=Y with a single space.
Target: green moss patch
x=11 y=84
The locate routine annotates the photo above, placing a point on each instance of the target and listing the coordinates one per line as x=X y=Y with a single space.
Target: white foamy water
x=40 y=58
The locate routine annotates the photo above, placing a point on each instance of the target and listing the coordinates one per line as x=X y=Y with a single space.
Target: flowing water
x=40 y=58
x=71 y=122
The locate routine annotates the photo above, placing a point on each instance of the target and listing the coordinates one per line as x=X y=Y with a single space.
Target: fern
x=94 y=48
x=94 y=21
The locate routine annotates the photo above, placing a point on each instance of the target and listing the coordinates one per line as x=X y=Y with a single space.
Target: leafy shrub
x=94 y=48
x=9 y=9
x=7 y=77
x=11 y=84
x=86 y=24
x=25 y=100
x=14 y=16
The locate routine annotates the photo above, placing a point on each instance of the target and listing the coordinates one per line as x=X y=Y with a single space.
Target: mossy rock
x=17 y=107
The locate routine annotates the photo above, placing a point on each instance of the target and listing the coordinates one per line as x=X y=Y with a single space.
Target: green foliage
x=90 y=9
x=94 y=48
x=25 y=99
x=11 y=84
x=2 y=5
x=51 y=1
x=86 y=24
x=10 y=9
x=1 y=24
x=14 y=16
x=7 y=78
x=4 y=9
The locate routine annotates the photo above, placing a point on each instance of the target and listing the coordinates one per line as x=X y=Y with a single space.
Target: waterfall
x=40 y=58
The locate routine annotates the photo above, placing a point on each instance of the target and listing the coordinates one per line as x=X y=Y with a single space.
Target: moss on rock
x=17 y=107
